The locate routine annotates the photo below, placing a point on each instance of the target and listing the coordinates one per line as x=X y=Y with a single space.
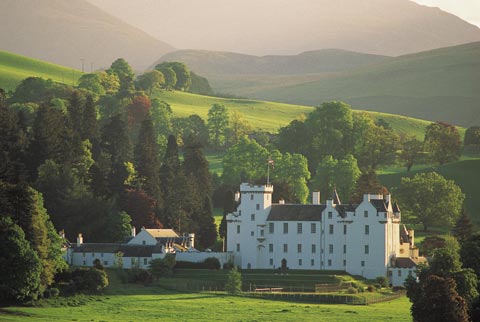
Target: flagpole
x=268 y=173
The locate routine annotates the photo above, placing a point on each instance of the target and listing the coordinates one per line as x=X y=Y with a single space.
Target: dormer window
x=144 y=242
x=330 y=215
x=365 y=213
x=252 y=217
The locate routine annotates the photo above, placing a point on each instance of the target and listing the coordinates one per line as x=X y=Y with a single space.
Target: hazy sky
x=468 y=10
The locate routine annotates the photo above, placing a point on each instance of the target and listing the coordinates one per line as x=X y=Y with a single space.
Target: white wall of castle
x=361 y=243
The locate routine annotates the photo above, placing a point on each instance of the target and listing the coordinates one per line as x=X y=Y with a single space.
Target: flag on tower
x=272 y=163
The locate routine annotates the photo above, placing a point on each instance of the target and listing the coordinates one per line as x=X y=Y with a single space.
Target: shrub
x=140 y=276
x=228 y=265
x=352 y=290
x=398 y=288
x=98 y=264
x=212 y=263
x=162 y=267
x=382 y=280
x=234 y=282
x=371 y=288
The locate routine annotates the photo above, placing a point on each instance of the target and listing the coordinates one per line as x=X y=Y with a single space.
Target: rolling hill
x=269 y=116
x=279 y=27
x=441 y=84
x=14 y=68
x=211 y=63
x=64 y=32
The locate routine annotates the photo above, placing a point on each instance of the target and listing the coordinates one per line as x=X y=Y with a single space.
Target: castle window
x=330 y=229
x=143 y=242
x=262 y=232
x=330 y=215
x=367 y=229
x=105 y=263
x=365 y=213
x=329 y=262
x=101 y=255
x=299 y=248
x=344 y=249
x=409 y=273
x=145 y=261
x=238 y=247
x=84 y=263
x=251 y=196
x=252 y=217
x=299 y=228
x=367 y=249
x=362 y=263
x=300 y=262
x=93 y=254
x=238 y=229
x=83 y=254
x=312 y=262
x=330 y=249
x=271 y=228
x=399 y=273
x=285 y=227
x=252 y=233
x=271 y=261
x=258 y=206
x=344 y=262
x=285 y=248
x=313 y=228
x=314 y=248
x=344 y=229
x=270 y=248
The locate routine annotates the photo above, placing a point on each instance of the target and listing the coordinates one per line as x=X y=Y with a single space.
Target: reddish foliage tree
x=138 y=109
x=141 y=208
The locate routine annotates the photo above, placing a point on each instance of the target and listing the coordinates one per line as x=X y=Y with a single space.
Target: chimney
x=134 y=231
x=62 y=233
x=237 y=196
x=191 y=240
x=316 y=197
x=387 y=199
x=79 y=240
x=281 y=201
x=411 y=236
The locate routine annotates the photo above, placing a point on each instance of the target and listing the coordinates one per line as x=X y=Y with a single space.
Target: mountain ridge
x=65 y=32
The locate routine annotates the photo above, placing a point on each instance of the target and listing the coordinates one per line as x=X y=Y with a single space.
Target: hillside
x=14 y=68
x=465 y=173
x=64 y=32
x=210 y=63
x=269 y=116
x=269 y=27
x=441 y=84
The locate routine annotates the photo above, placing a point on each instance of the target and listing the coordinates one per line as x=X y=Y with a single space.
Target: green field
x=128 y=302
x=269 y=116
x=14 y=68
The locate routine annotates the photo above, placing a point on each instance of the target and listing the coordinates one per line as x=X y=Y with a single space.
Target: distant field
x=14 y=68
x=270 y=116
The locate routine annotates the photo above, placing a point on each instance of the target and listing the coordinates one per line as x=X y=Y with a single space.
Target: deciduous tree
x=419 y=197
x=442 y=142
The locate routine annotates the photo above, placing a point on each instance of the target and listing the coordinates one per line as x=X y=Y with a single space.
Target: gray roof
x=408 y=262
x=379 y=204
x=126 y=249
x=295 y=212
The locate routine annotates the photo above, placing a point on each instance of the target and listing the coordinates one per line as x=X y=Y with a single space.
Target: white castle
x=365 y=239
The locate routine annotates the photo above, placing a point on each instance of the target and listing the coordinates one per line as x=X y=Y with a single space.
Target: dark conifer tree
x=175 y=193
x=206 y=232
x=195 y=166
x=464 y=227
x=147 y=162
x=12 y=145
x=90 y=129
x=367 y=183
x=116 y=142
x=52 y=139
x=75 y=111
x=229 y=206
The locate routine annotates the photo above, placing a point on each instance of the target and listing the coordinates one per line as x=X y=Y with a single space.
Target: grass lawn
x=155 y=304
